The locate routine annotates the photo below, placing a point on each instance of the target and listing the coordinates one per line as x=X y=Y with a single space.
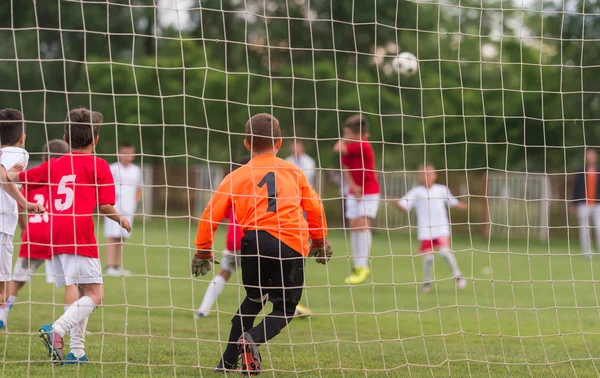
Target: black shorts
x=271 y=267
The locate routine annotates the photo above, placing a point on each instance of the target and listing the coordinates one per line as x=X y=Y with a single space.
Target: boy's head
x=54 y=149
x=12 y=128
x=356 y=127
x=297 y=149
x=263 y=134
x=81 y=128
x=427 y=175
x=126 y=154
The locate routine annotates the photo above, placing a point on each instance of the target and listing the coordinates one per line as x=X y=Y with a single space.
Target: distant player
x=128 y=183
x=79 y=182
x=35 y=238
x=12 y=154
x=269 y=196
x=431 y=202
x=362 y=204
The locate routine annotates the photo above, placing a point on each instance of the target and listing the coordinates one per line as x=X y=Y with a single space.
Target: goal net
x=504 y=104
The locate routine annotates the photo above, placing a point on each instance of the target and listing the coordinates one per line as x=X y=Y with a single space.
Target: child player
x=430 y=201
x=358 y=161
x=35 y=238
x=230 y=261
x=12 y=155
x=128 y=181
x=269 y=197
x=79 y=181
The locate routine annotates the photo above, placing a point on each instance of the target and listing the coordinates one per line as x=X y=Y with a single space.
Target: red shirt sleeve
x=36 y=177
x=106 y=183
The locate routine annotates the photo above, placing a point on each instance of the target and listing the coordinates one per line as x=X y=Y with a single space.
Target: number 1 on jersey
x=269 y=179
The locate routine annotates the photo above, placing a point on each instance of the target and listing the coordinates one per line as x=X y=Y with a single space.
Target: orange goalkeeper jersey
x=267 y=194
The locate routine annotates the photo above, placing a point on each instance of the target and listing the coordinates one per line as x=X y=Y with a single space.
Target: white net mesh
x=504 y=103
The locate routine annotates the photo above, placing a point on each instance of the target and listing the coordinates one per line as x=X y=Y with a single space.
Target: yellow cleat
x=358 y=276
x=302 y=312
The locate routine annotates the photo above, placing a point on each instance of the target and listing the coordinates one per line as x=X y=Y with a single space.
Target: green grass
x=536 y=314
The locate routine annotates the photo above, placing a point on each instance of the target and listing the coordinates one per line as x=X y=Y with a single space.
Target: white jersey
x=431 y=205
x=307 y=164
x=9 y=212
x=128 y=180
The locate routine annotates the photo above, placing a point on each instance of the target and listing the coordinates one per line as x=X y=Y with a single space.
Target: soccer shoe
x=302 y=312
x=426 y=288
x=124 y=272
x=224 y=367
x=2 y=324
x=112 y=272
x=53 y=341
x=358 y=276
x=461 y=283
x=72 y=360
x=250 y=355
x=200 y=314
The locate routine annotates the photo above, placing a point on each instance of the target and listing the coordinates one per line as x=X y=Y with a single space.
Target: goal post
x=504 y=104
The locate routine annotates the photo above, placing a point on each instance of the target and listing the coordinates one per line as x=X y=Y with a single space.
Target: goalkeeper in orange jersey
x=269 y=197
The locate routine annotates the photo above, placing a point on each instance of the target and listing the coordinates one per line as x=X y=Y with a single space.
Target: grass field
x=536 y=313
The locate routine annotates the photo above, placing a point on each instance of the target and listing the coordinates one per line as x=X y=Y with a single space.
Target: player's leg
x=118 y=257
x=583 y=217
x=52 y=340
x=596 y=219
x=6 y=253
x=363 y=213
x=426 y=251
x=446 y=253
x=252 y=304
x=111 y=265
x=216 y=286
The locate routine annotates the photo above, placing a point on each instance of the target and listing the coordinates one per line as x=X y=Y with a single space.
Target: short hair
x=12 y=126
x=81 y=127
x=357 y=123
x=262 y=132
x=422 y=166
x=126 y=145
x=55 y=149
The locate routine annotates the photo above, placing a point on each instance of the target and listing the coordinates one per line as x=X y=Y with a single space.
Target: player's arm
x=139 y=193
x=317 y=222
x=109 y=211
x=454 y=202
x=405 y=203
x=11 y=189
x=207 y=226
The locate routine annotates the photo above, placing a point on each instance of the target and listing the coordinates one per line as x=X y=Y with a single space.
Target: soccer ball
x=406 y=64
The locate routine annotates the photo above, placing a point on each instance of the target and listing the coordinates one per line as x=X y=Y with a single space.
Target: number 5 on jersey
x=65 y=203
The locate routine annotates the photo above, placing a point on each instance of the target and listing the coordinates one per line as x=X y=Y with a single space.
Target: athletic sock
x=427 y=264
x=77 y=312
x=77 y=341
x=214 y=289
x=241 y=322
x=450 y=259
x=363 y=241
x=355 y=248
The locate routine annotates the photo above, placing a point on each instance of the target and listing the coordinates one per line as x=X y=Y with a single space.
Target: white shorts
x=230 y=261
x=24 y=269
x=76 y=270
x=6 y=255
x=367 y=206
x=114 y=230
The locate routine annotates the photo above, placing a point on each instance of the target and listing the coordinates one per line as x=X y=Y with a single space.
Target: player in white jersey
x=431 y=202
x=12 y=154
x=128 y=184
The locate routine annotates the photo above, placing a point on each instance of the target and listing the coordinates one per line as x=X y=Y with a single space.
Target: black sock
x=272 y=324
x=241 y=322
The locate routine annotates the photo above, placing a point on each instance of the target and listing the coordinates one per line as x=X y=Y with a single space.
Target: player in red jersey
x=35 y=238
x=79 y=182
x=358 y=160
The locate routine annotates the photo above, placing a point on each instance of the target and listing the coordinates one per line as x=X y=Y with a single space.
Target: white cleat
x=461 y=283
x=200 y=314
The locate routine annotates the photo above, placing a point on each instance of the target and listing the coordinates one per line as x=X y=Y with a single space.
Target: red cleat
x=250 y=355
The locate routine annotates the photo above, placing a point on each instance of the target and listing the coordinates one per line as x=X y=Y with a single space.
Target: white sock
x=427 y=264
x=214 y=289
x=450 y=259
x=355 y=249
x=77 y=312
x=77 y=341
x=12 y=299
x=363 y=244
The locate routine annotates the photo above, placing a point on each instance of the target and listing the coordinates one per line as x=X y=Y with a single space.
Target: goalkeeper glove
x=321 y=250
x=202 y=262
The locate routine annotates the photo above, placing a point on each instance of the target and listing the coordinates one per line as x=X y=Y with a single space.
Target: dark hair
x=358 y=124
x=55 y=149
x=126 y=145
x=81 y=127
x=12 y=126
x=262 y=132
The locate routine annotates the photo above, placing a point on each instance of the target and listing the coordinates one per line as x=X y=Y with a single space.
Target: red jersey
x=78 y=183
x=233 y=242
x=35 y=238
x=360 y=161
